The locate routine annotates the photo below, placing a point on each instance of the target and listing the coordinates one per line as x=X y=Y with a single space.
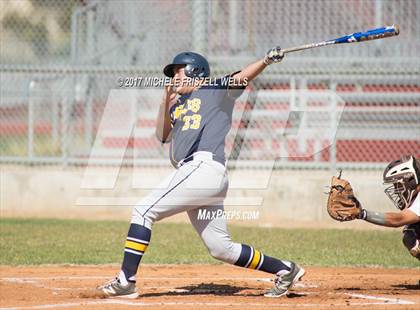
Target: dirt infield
x=208 y=287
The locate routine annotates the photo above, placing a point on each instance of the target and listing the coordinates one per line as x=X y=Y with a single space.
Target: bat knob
x=397 y=29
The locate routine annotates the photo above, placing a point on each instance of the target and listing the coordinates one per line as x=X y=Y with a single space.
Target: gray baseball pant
x=198 y=186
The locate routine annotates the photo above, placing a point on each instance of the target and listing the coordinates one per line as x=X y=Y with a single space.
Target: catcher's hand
x=342 y=205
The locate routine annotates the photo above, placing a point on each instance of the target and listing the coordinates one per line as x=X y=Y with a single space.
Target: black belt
x=215 y=158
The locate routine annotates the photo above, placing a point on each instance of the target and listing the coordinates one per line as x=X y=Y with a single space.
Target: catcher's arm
x=390 y=219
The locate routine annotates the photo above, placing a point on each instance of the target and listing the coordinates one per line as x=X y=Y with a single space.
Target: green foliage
x=38 y=241
x=27 y=30
x=35 y=29
x=62 y=9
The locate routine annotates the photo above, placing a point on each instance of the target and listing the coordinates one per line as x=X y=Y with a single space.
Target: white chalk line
x=395 y=301
x=381 y=301
x=210 y=304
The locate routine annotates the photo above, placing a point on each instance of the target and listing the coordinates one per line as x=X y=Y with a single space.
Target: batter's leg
x=215 y=236
x=189 y=187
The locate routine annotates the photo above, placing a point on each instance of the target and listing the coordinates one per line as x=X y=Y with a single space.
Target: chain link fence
x=61 y=59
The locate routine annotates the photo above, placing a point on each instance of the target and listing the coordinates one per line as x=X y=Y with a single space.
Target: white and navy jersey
x=202 y=119
x=415 y=206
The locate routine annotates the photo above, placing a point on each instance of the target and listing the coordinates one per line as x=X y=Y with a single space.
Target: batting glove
x=274 y=55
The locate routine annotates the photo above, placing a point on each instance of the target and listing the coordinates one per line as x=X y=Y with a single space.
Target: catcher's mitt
x=342 y=205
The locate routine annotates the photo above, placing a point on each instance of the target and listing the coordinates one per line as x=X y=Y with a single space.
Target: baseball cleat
x=114 y=288
x=284 y=282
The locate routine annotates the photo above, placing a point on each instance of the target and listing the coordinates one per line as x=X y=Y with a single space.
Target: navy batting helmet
x=195 y=65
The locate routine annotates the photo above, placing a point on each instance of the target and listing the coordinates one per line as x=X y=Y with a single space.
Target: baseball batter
x=195 y=119
x=402 y=178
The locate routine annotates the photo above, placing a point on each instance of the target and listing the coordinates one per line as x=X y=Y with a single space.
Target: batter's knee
x=225 y=251
x=411 y=242
x=142 y=214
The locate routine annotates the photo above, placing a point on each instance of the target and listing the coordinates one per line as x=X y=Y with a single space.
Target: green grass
x=38 y=241
x=17 y=145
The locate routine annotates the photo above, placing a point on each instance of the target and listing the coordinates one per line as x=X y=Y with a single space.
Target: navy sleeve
x=226 y=83
x=234 y=91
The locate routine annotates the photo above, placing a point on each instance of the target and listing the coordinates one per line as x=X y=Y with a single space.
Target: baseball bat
x=373 y=34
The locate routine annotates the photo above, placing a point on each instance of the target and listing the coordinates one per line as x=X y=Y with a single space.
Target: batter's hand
x=170 y=93
x=274 y=55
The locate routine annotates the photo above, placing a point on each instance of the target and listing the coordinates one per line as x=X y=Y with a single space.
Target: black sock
x=254 y=259
x=138 y=238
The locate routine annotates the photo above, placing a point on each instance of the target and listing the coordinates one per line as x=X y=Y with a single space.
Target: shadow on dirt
x=415 y=287
x=214 y=289
x=348 y=289
x=295 y=295
x=201 y=289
